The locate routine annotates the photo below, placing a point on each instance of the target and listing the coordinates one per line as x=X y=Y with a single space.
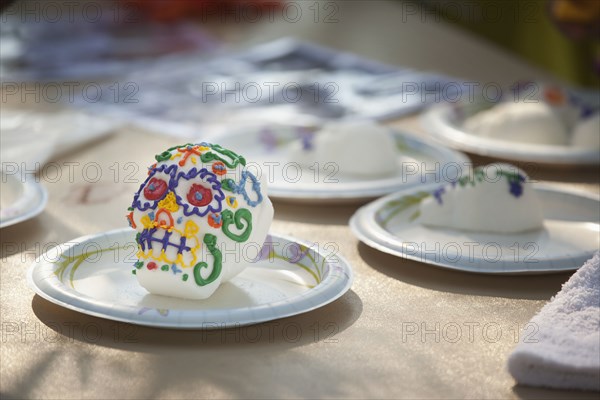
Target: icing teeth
x=498 y=198
x=157 y=242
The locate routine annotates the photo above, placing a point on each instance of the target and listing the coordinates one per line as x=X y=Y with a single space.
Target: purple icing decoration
x=438 y=194
x=209 y=178
x=516 y=186
x=306 y=138
x=143 y=205
x=267 y=138
x=147 y=237
x=586 y=112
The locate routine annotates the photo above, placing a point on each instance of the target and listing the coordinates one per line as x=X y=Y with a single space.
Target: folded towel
x=565 y=352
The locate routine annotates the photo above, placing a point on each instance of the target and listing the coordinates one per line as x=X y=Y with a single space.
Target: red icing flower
x=199 y=196
x=151 y=265
x=155 y=189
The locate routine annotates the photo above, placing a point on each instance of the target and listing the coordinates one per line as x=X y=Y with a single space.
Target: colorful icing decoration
x=228 y=184
x=183 y=218
x=231 y=201
x=242 y=219
x=255 y=186
x=219 y=168
x=187 y=151
x=211 y=243
x=155 y=189
x=130 y=220
x=496 y=198
x=215 y=220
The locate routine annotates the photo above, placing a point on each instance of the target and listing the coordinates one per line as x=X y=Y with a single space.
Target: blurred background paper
x=96 y=39
x=277 y=82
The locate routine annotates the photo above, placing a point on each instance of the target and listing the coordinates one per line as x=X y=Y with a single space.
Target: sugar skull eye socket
x=155 y=189
x=199 y=196
x=198 y=191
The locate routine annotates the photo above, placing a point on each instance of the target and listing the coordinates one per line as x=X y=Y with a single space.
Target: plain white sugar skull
x=198 y=200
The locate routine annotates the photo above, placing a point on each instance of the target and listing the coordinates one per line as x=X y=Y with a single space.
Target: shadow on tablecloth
x=530 y=287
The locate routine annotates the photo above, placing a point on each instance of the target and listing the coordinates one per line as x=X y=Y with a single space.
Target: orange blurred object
x=554 y=96
x=577 y=11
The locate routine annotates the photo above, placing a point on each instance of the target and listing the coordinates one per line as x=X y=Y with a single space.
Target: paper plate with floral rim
x=445 y=124
x=569 y=237
x=93 y=275
x=21 y=198
x=268 y=146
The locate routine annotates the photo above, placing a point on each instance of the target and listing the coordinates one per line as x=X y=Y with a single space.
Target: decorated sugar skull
x=193 y=214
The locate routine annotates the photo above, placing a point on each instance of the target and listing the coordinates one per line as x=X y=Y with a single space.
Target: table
x=404 y=330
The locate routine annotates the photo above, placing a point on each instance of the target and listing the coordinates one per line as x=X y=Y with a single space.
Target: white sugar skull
x=198 y=202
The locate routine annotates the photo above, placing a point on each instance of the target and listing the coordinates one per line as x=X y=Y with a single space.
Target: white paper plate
x=30 y=138
x=21 y=198
x=93 y=275
x=266 y=147
x=570 y=236
x=443 y=123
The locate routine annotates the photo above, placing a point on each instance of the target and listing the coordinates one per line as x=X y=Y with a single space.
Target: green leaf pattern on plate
x=395 y=207
x=73 y=262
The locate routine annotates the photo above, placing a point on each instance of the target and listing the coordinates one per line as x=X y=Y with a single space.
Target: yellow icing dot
x=191 y=229
x=169 y=203
x=147 y=223
x=232 y=201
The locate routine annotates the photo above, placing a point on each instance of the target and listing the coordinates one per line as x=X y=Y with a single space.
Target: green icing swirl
x=242 y=218
x=211 y=242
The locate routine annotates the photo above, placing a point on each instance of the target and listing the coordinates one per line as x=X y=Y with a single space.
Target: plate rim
x=435 y=122
x=303 y=298
x=367 y=212
x=39 y=194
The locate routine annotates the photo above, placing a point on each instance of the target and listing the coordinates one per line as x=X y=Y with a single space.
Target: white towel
x=565 y=351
